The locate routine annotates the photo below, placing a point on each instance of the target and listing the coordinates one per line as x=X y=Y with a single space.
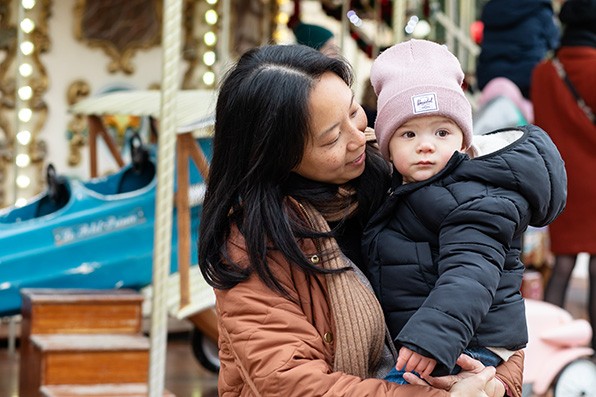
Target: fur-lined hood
x=525 y=160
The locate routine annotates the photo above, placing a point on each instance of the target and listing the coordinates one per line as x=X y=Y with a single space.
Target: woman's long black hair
x=261 y=128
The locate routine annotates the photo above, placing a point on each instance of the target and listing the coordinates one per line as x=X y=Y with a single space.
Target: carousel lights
x=209 y=58
x=23 y=95
x=25 y=69
x=209 y=78
x=421 y=30
x=354 y=18
x=211 y=17
x=27 y=48
x=417 y=27
x=23 y=181
x=23 y=160
x=411 y=25
x=210 y=39
x=25 y=115
x=21 y=201
x=281 y=18
x=27 y=25
x=24 y=137
x=28 y=4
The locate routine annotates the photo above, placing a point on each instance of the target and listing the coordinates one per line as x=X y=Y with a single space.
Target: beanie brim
x=451 y=104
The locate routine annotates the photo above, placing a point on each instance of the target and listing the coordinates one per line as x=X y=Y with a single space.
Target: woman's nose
x=357 y=139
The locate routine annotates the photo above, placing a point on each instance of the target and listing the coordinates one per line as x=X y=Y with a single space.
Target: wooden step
x=77 y=311
x=84 y=359
x=111 y=390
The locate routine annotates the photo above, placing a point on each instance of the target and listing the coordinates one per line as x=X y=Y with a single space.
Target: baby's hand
x=413 y=361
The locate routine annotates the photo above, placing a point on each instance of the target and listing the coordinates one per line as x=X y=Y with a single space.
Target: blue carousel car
x=96 y=234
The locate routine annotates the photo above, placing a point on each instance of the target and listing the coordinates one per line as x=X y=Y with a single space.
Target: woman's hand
x=473 y=380
x=481 y=384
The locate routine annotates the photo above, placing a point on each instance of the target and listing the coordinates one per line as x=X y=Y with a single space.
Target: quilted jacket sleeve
x=473 y=242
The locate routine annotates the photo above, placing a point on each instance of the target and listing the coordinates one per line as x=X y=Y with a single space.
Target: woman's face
x=335 y=150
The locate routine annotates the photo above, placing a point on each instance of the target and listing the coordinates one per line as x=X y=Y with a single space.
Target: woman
x=291 y=184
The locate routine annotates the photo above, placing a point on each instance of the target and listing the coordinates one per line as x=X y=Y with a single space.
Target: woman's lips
x=360 y=159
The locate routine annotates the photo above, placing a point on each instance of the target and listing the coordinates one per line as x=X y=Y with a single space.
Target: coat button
x=328 y=337
x=315 y=259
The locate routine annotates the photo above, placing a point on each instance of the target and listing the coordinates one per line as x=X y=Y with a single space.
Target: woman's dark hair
x=261 y=128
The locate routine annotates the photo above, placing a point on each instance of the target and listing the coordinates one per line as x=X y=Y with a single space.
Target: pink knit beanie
x=418 y=78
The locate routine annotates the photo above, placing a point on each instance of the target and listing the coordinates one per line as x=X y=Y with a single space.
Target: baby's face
x=422 y=146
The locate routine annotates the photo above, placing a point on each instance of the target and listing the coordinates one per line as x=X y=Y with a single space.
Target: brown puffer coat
x=271 y=346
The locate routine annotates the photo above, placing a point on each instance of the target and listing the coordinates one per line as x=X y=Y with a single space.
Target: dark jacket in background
x=517 y=35
x=444 y=253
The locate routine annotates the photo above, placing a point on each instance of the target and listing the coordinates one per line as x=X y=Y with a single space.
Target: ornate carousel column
x=23 y=111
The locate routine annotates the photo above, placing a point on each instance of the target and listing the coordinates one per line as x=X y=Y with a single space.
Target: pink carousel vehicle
x=557 y=355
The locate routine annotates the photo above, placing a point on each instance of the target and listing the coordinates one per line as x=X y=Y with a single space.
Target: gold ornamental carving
x=119 y=28
x=77 y=126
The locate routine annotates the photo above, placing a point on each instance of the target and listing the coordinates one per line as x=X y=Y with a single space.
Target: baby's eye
x=442 y=133
x=409 y=134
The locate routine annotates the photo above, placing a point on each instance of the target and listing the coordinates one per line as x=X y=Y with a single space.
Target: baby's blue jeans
x=481 y=354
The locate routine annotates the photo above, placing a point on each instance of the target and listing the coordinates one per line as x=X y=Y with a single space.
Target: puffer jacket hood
x=503 y=13
x=523 y=160
x=523 y=166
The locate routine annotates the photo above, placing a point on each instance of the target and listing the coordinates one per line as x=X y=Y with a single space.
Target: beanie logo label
x=424 y=103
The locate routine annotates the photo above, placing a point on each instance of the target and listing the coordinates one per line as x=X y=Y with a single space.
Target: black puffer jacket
x=443 y=254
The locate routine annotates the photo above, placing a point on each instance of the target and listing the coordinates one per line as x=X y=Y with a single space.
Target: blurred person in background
x=313 y=36
x=564 y=98
x=517 y=35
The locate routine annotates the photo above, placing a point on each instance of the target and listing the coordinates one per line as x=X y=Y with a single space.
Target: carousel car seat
x=142 y=171
x=57 y=194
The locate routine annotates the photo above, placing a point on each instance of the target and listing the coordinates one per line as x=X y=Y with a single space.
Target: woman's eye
x=333 y=140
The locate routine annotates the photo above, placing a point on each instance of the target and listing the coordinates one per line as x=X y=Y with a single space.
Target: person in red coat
x=556 y=111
